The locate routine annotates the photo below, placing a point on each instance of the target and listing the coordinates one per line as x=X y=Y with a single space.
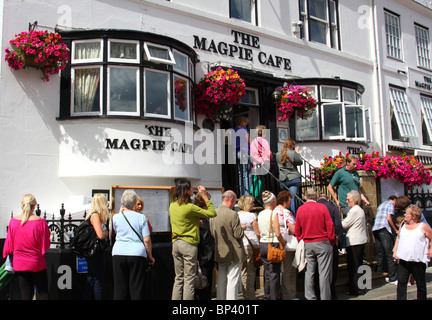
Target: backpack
x=85 y=243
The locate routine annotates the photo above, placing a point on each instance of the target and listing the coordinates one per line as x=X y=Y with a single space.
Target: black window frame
x=142 y=37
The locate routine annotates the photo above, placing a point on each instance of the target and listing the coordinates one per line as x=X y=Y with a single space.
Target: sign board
x=81 y=265
x=156 y=202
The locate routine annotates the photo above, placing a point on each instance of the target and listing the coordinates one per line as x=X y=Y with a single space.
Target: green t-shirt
x=345 y=181
x=185 y=220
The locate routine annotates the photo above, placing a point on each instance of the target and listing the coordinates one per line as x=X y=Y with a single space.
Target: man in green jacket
x=229 y=250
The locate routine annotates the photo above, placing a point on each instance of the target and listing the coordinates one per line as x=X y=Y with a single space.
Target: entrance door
x=232 y=176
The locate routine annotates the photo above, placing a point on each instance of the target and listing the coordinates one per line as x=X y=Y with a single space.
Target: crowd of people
x=310 y=237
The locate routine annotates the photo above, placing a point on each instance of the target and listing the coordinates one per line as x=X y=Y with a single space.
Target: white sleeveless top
x=264 y=227
x=413 y=245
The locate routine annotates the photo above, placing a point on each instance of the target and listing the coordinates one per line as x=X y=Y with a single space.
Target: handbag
x=5 y=276
x=9 y=264
x=275 y=255
x=201 y=281
x=256 y=255
x=85 y=243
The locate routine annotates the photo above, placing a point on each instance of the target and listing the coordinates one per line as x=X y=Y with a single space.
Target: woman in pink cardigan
x=260 y=157
x=27 y=239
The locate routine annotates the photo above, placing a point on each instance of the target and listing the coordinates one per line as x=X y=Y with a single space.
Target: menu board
x=156 y=202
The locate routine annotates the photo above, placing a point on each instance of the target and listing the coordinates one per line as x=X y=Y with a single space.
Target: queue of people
x=204 y=237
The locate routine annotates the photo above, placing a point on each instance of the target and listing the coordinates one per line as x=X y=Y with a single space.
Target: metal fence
x=421 y=198
x=62 y=229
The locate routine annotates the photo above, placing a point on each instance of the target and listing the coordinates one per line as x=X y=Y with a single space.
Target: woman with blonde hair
x=288 y=159
x=248 y=221
x=27 y=239
x=98 y=215
x=412 y=250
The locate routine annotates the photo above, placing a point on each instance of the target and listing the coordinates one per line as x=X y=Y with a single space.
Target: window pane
x=123 y=50
x=318 y=31
x=318 y=9
x=156 y=92
x=250 y=97
x=87 y=50
x=181 y=101
x=349 y=95
x=123 y=89
x=354 y=120
x=160 y=53
x=333 y=120
x=86 y=90
x=241 y=9
x=307 y=129
x=181 y=62
x=330 y=93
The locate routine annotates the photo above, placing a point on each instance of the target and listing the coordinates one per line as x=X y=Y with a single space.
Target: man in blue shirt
x=384 y=240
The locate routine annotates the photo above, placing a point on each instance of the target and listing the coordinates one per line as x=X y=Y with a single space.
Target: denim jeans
x=244 y=173
x=95 y=277
x=384 y=253
x=293 y=185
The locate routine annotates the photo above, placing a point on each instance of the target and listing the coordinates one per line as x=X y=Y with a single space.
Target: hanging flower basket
x=217 y=91
x=295 y=98
x=404 y=168
x=42 y=50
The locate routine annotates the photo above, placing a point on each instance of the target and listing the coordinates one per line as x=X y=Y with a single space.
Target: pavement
x=381 y=290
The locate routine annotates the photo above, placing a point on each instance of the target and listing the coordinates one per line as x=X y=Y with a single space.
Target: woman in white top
x=271 y=270
x=287 y=227
x=413 y=253
x=356 y=238
x=248 y=220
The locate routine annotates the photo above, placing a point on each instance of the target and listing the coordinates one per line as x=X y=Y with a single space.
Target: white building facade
x=112 y=118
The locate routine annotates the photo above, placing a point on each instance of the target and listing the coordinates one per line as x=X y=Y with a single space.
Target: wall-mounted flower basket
x=42 y=50
x=295 y=98
x=217 y=91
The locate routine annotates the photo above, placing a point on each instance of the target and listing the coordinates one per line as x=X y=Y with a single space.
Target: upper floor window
x=422 y=41
x=339 y=115
x=320 y=21
x=244 y=10
x=401 y=118
x=116 y=76
x=426 y=107
x=393 y=35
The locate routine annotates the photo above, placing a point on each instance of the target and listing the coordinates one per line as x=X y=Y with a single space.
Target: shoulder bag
x=274 y=255
x=133 y=229
x=256 y=254
x=149 y=267
x=85 y=243
x=201 y=281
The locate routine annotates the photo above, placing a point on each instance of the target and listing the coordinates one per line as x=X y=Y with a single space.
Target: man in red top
x=315 y=227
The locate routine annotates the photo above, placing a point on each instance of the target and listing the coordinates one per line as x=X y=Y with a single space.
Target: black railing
x=421 y=198
x=269 y=180
x=62 y=230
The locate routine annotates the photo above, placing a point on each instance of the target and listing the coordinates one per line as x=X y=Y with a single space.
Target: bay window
x=133 y=74
x=339 y=115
